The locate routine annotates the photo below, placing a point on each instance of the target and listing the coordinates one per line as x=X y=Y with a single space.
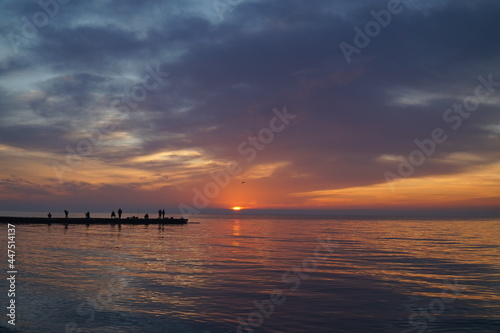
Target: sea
x=254 y=273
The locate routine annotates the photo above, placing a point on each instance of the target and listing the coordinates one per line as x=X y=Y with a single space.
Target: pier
x=90 y=221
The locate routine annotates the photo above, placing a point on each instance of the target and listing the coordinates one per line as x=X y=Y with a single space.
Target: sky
x=195 y=105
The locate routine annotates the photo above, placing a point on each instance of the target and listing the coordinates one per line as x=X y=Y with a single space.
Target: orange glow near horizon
x=460 y=190
x=261 y=187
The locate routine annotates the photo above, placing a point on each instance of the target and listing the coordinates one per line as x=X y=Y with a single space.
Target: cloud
x=227 y=76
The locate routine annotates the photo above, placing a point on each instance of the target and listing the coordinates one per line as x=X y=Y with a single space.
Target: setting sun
x=236 y=208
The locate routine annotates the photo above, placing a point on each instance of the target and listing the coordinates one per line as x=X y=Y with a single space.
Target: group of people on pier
x=49 y=215
x=161 y=214
x=113 y=214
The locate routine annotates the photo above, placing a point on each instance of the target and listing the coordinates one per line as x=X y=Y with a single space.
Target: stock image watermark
x=223 y=6
x=130 y=101
x=249 y=148
x=294 y=276
x=29 y=26
x=420 y=317
x=363 y=37
x=92 y=305
x=11 y=273
x=454 y=117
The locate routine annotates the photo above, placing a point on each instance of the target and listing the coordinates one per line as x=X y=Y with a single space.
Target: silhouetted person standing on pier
x=49 y=215
x=119 y=213
x=87 y=214
x=146 y=217
x=113 y=215
x=159 y=213
x=66 y=213
x=163 y=213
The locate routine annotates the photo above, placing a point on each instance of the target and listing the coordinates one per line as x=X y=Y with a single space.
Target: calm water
x=261 y=274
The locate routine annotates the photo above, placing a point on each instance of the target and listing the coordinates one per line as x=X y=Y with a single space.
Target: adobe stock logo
x=454 y=117
x=222 y=6
x=29 y=28
x=251 y=146
x=264 y=309
x=372 y=29
x=131 y=99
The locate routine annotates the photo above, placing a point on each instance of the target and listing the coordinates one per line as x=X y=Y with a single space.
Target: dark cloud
x=226 y=77
x=18 y=186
